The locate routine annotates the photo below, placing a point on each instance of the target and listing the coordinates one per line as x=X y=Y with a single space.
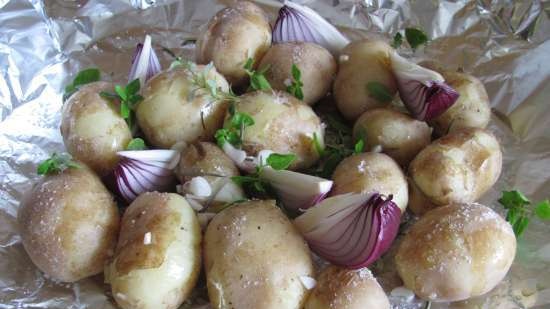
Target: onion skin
x=351 y=230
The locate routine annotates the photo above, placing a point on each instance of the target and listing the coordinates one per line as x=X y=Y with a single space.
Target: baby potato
x=282 y=124
x=157 y=259
x=400 y=136
x=209 y=161
x=174 y=109
x=472 y=109
x=456 y=252
x=316 y=64
x=347 y=289
x=457 y=168
x=362 y=62
x=69 y=224
x=254 y=258
x=233 y=35
x=93 y=130
x=370 y=171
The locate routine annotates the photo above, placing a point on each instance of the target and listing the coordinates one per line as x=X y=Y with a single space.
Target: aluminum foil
x=505 y=43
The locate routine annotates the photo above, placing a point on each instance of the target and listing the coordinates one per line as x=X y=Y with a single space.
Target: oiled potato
x=254 y=258
x=472 y=109
x=92 y=128
x=69 y=224
x=283 y=124
x=209 y=161
x=458 y=167
x=157 y=259
x=233 y=35
x=347 y=289
x=174 y=109
x=316 y=65
x=360 y=63
x=370 y=171
x=456 y=252
x=399 y=135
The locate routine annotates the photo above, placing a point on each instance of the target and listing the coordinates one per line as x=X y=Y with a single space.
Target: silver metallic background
x=42 y=43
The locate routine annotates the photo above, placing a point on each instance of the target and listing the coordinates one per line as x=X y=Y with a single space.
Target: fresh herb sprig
x=234 y=129
x=295 y=87
x=57 y=163
x=83 y=77
x=129 y=97
x=136 y=144
x=258 y=81
x=414 y=36
x=339 y=144
x=521 y=210
x=254 y=184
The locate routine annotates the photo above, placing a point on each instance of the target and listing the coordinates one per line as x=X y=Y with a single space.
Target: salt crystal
x=343 y=58
x=147 y=238
x=308 y=282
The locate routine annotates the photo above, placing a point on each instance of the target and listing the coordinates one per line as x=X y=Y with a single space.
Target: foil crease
x=505 y=43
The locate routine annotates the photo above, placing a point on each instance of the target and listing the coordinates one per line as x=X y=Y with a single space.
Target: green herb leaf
x=513 y=199
x=295 y=88
x=359 y=146
x=317 y=144
x=227 y=136
x=83 y=77
x=258 y=81
x=133 y=87
x=55 y=164
x=415 y=37
x=128 y=97
x=240 y=120
x=136 y=144
x=280 y=161
x=520 y=225
x=397 y=40
x=379 y=92
x=542 y=210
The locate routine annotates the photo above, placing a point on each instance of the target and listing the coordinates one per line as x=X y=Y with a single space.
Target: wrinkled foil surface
x=43 y=44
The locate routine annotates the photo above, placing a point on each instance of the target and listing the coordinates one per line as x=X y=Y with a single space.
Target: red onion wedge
x=296 y=191
x=298 y=23
x=423 y=91
x=351 y=230
x=145 y=63
x=144 y=171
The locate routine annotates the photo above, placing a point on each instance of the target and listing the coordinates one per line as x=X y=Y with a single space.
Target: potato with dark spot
x=282 y=124
x=209 y=161
x=361 y=63
x=472 y=109
x=233 y=35
x=396 y=134
x=341 y=288
x=254 y=258
x=369 y=172
x=93 y=130
x=176 y=109
x=456 y=252
x=316 y=64
x=69 y=224
x=157 y=260
x=457 y=168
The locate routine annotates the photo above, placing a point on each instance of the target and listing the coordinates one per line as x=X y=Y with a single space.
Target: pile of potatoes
x=251 y=254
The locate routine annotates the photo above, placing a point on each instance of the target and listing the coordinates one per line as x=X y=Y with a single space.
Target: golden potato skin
x=370 y=171
x=472 y=109
x=254 y=258
x=457 y=168
x=456 y=252
x=400 y=136
x=233 y=35
x=362 y=62
x=316 y=64
x=340 y=288
x=283 y=124
x=172 y=107
x=92 y=129
x=69 y=224
x=160 y=273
